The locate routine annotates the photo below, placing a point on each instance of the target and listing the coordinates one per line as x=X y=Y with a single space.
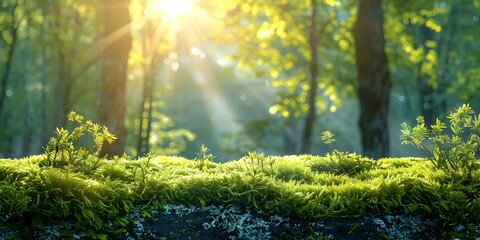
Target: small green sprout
x=328 y=138
x=203 y=157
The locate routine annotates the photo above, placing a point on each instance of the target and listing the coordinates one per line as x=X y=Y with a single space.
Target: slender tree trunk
x=47 y=116
x=64 y=82
x=143 y=133
x=28 y=131
x=45 y=126
x=310 y=119
x=118 y=42
x=149 y=118
x=149 y=44
x=8 y=63
x=373 y=78
x=145 y=115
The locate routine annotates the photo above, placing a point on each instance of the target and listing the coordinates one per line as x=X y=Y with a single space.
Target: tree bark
x=310 y=119
x=373 y=78
x=118 y=42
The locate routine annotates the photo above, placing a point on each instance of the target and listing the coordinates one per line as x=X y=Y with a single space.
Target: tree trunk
x=64 y=81
x=310 y=119
x=145 y=115
x=8 y=63
x=143 y=145
x=118 y=42
x=373 y=78
x=44 y=135
x=28 y=133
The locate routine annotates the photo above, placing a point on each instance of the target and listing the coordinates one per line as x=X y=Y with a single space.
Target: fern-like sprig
x=65 y=148
x=453 y=153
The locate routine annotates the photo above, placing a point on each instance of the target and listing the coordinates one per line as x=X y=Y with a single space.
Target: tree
x=313 y=86
x=69 y=39
x=8 y=63
x=65 y=81
x=292 y=46
x=118 y=42
x=373 y=78
x=146 y=104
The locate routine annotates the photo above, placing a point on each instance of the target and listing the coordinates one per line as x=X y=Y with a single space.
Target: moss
x=339 y=186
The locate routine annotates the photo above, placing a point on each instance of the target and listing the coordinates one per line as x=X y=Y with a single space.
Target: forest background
x=238 y=76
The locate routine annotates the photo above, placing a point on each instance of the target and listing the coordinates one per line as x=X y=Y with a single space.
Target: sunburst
x=173 y=9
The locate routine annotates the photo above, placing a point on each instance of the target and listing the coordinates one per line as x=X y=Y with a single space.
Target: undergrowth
x=454 y=153
x=97 y=202
x=72 y=187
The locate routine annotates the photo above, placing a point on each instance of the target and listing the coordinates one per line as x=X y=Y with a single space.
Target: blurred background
x=238 y=76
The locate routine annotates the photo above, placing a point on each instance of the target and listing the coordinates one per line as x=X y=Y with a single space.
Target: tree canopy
x=168 y=76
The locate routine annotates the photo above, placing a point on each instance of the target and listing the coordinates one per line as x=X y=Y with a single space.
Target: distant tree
x=11 y=30
x=145 y=123
x=373 y=78
x=117 y=44
x=313 y=81
x=69 y=35
x=10 y=40
x=64 y=56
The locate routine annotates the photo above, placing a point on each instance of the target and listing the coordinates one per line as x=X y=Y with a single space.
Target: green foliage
x=65 y=148
x=454 y=153
x=280 y=30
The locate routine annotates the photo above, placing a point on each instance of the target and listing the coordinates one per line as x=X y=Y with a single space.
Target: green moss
x=287 y=171
x=340 y=163
x=308 y=187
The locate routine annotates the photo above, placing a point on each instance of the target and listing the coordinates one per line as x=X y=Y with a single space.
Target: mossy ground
x=93 y=198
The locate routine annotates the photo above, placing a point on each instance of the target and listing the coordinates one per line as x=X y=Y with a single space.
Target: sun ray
x=186 y=27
